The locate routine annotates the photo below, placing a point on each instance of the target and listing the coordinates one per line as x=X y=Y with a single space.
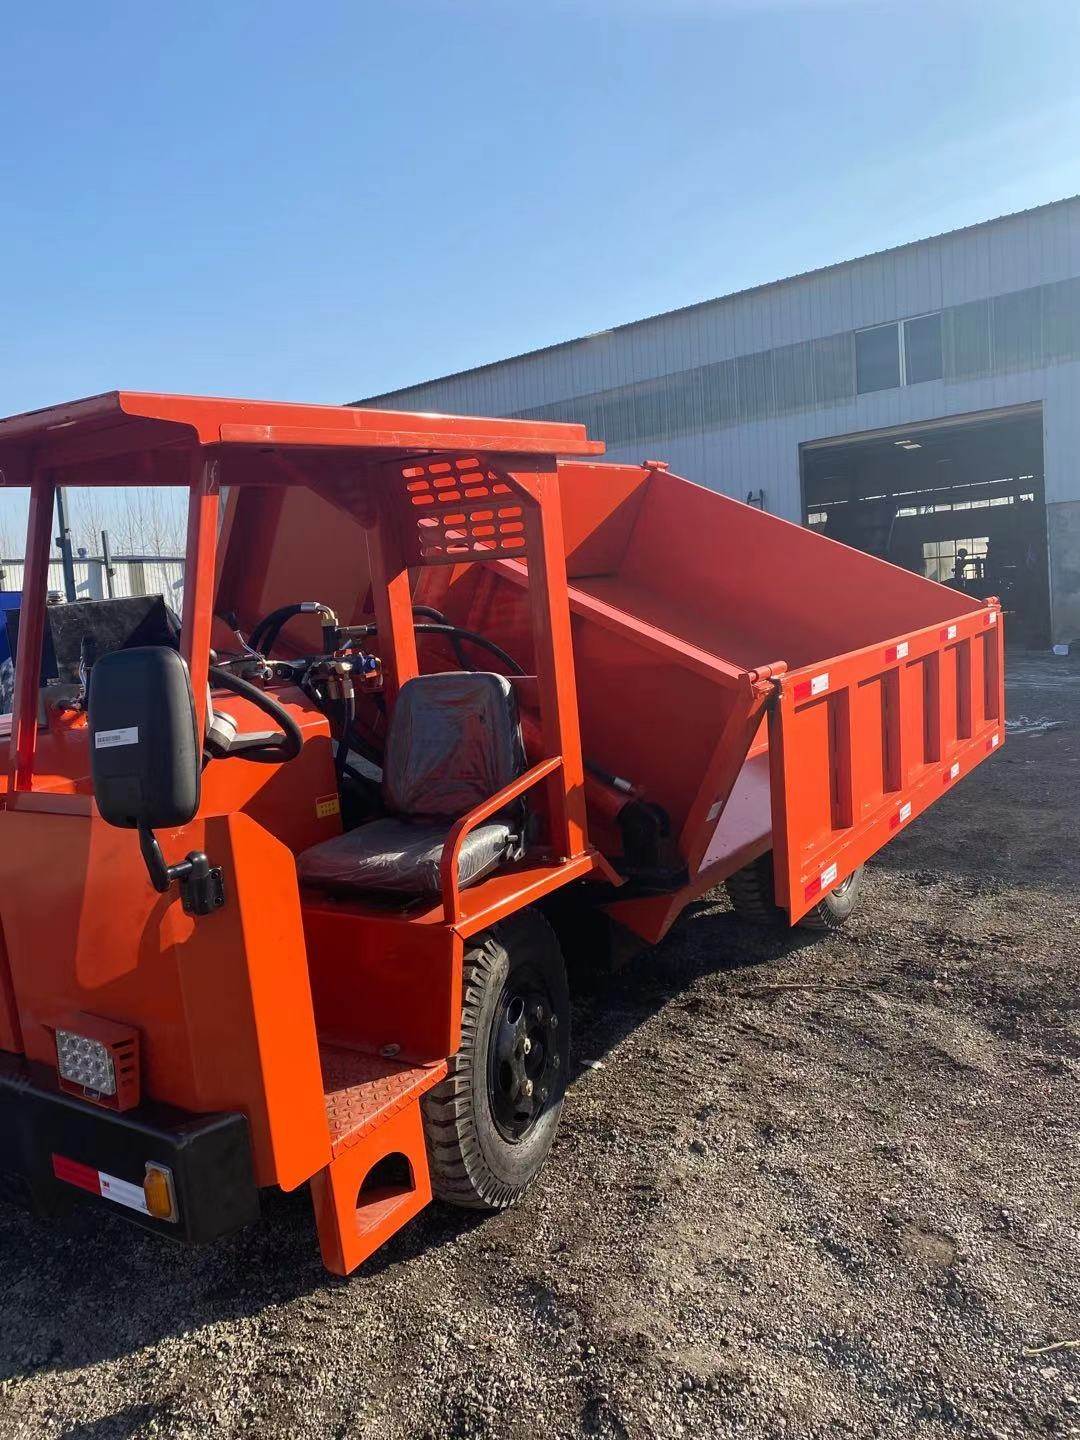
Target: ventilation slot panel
x=463 y=511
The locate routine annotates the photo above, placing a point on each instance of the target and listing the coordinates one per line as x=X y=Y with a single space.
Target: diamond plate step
x=364 y=1091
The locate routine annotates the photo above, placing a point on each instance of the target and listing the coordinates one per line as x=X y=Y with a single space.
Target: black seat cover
x=454 y=741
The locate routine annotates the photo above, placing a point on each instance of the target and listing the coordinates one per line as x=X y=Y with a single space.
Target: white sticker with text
x=110 y=739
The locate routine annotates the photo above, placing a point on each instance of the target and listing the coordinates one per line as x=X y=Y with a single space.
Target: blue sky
x=324 y=202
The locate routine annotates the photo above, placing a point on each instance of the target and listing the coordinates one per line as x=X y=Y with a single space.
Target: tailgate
x=863 y=743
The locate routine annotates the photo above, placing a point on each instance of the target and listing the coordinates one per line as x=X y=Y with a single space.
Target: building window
x=904 y=353
x=942 y=557
x=922 y=349
x=877 y=358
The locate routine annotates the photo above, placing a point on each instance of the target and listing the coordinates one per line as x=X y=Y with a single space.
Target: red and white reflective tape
x=807 y=689
x=993 y=742
x=97 y=1182
x=897 y=652
x=822 y=882
x=902 y=815
x=949 y=633
x=991 y=617
x=953 y=773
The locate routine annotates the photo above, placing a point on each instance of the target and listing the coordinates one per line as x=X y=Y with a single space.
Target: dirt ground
x=844 y=1208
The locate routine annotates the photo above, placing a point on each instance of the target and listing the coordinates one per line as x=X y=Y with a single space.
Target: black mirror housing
x=145 y=752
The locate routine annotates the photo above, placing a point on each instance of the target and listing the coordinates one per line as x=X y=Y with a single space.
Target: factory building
x=922 y=403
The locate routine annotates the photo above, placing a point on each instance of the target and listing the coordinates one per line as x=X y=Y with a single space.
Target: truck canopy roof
x=127 y=421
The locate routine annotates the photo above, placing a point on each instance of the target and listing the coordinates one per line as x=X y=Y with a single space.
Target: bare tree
x=87 y=517
x=149 y=522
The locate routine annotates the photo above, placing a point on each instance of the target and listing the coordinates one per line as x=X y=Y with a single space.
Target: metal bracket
x=202 y=889
x=202 y=885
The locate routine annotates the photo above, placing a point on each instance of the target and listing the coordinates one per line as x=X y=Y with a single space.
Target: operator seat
x=454 y=740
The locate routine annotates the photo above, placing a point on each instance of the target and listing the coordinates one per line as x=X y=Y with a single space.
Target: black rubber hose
x=474 y=639
x=264 y=636
x=428 y=612
x=357 y=632
x=277 y=618
x=347 y=708
x=293 y=742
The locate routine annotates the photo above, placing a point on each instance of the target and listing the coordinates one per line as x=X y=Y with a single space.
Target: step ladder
x=378 y=1177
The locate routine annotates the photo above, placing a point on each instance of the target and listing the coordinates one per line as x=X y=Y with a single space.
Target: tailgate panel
x=861 y=744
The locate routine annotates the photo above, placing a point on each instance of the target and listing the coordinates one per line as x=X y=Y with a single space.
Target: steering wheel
x=264 y=749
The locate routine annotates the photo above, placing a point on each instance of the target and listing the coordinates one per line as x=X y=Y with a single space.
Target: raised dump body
x=692 y=615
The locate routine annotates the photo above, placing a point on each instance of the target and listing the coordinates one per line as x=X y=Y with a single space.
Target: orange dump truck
x=283 y=879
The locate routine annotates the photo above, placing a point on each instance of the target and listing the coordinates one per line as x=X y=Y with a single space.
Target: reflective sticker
x=901 y=649
x=70 y=1171
x=952 y=772
x=110 y=739
x=327 y=805
x=808 y=688
x=993 y=742
x=123 y=1192
x=905 y=812
x=97 y=1182
x=991 y=619
x=828 y=876
x=949 y=633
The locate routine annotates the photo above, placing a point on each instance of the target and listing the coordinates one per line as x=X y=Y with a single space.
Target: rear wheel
x=490 y=1124
x=753 y=898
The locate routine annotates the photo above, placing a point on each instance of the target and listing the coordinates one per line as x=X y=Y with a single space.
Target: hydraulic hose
x=264 y=637
x=362 y=632
x=428 y=612
x=457 y=632
x=346 y=709
x=263 y=754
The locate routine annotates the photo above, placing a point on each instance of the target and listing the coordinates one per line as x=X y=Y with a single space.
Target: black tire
x=486 y=1139
x=750 y=891
x=753 y=898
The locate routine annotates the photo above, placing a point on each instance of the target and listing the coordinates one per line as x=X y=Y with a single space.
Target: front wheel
x=490 y=1124
x=753 y=898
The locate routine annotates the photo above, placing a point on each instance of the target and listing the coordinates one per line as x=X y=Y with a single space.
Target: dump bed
x=764 y=686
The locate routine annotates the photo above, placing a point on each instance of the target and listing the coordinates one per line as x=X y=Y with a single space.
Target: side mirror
x=145 y=755
x=146 y=761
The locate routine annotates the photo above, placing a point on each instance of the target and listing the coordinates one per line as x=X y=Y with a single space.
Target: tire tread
x=459 y=1172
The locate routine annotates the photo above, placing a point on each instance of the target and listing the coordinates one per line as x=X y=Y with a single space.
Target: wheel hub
x=524 y=1059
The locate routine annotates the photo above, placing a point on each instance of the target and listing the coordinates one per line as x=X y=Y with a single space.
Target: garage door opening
x=959 y=501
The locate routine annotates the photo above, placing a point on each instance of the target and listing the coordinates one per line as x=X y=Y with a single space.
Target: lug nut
x=526 y=1045
x=527 y=1088
x=554 y=1022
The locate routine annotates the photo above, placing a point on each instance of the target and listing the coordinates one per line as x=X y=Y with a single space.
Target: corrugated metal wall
x=150 y=576
x=728 y=390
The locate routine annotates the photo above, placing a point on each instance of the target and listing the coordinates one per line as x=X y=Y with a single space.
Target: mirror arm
x=202 y=885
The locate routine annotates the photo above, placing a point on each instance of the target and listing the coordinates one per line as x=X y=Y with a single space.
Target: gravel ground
x=843 y=1208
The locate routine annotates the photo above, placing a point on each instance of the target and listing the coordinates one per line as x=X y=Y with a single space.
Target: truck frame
x=197 y=1002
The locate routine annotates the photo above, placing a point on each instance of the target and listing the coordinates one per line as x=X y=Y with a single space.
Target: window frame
x=897 y=326
x=900 y=325
x=904 y=323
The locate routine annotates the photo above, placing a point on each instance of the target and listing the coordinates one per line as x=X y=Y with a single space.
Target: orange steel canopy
x=105 y=427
